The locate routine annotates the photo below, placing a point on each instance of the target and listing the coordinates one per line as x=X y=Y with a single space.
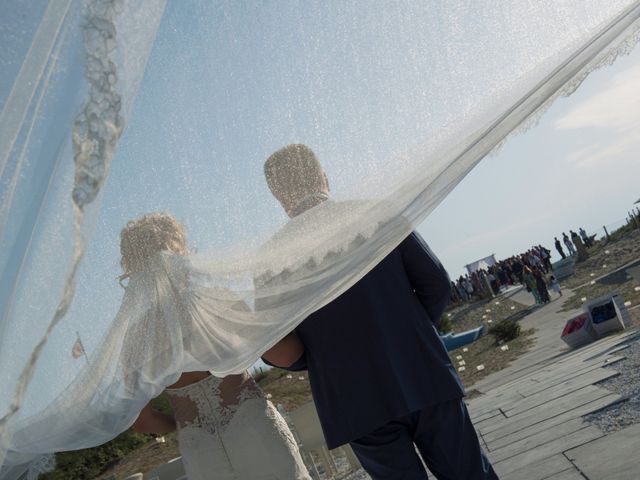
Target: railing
x=618 y=228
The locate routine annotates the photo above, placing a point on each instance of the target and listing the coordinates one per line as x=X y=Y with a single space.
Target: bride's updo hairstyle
x=142 y=238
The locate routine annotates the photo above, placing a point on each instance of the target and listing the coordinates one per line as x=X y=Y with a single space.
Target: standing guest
x=559 y=248
x=493 y=283
x=581 y=249
x=585 y=238
x=455 y=294
x=463 y=289
x=546 y=258
x=362 y=350
x=458 y=287
x=475 y=282
x=508 y=270
x=534 y=259
x=541 y=286
x=555 y=286
x=468 y=287
x=486 y=289
x=503 y=277
x=529 y=281
x=569 y=244
x=518 y=267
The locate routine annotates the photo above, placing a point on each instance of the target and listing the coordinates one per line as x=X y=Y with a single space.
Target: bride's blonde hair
x=142 y=238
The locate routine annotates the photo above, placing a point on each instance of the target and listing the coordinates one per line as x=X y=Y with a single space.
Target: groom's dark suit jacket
x=374 y=354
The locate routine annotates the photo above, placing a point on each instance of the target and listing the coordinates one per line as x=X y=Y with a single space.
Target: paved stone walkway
x=548 y=323
x=529 y=417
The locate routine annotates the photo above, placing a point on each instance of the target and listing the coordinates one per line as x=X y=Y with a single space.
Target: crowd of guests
x=570 y=243
x=529 y=269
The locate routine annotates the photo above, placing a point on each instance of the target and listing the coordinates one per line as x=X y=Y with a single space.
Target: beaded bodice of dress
x=211 y=403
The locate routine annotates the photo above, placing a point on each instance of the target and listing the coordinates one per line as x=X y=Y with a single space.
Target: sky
x=575 y=168
x=579 y=167
x=225 y=86
x=211 y=132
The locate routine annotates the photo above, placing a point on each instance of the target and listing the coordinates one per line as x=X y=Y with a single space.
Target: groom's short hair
x=294 y=171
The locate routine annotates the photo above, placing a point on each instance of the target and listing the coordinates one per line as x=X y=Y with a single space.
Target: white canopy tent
x=482 y=264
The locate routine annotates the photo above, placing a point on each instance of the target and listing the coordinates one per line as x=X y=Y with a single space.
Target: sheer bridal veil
x=110 y=109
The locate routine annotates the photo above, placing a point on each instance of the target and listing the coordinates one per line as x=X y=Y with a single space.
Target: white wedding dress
x=228 y=430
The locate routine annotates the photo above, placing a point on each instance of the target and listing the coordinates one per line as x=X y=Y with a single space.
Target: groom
x=380 y=376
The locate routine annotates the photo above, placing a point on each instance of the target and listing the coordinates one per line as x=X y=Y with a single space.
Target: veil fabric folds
x=111 y=109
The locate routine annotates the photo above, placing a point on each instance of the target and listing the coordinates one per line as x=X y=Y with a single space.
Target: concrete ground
x=529 y=416
x=548 y=345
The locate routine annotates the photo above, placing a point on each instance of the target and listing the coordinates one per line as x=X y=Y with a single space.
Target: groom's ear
x=326 y=181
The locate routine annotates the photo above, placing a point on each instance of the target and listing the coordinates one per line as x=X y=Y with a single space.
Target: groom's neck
x=308 y=202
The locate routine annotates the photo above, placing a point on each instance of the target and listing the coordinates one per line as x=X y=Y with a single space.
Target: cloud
x=592 y=155
x=614 y=111
x=616 y=107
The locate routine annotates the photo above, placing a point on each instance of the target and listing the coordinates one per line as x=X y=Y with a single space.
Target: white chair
x=309 y=431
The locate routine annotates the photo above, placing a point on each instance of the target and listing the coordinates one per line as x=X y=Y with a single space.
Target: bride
x=227 y=429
